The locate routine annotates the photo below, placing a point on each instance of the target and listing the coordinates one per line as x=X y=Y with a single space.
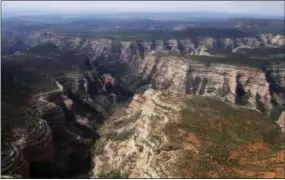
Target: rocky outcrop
x=113 y=67
x=53 y=114
x=281 y=122
x=11 y=177
x=234 y=84
x=34 y=140
x=163 y=72
x=38 y=143
x=69 y=104
x=275 y=74
x=132 y=147
x=88 y=89
x=13 y=162
x=108 y=82
x=60 y=125
x=192 y=46
x=164 y=134
x=133 y=65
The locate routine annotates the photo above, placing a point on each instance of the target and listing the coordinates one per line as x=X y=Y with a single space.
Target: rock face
x=72 y=112
x=34 y=140
x=108 y=82
x=39 y=143
x=281 y=121
x=234 y=84
x=13 y=162
x=275 y=74
x=89 y=88
x=130 y=148
x=134 y=64
x=54 y=115
x=192 y=46
x=59 y=134
x=164 y=134
x=69 y=104
x=136 y=144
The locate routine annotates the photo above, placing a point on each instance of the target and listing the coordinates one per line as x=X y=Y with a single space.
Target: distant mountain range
x=6 y=13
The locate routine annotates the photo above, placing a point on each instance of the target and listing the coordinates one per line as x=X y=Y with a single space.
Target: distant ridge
x=141 y=14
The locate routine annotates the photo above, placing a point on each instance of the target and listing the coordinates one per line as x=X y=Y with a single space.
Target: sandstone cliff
x=195 y=46
x=170 y=135
x=236 y=84
x=56 y=139
x=142 y=137
x=134 y=64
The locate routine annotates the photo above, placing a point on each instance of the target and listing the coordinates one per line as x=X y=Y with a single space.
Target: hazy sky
x=255 y=7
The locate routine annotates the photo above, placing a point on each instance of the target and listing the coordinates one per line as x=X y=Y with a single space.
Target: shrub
x=124 y=135
x=273 y=136
x=112 y=175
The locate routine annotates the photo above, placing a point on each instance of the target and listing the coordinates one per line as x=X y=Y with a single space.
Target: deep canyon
x=155 y=87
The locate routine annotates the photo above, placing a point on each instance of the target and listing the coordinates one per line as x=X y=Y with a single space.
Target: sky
x=252 y=7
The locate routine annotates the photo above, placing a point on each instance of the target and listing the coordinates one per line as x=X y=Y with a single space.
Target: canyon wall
x=135 y=64
x=60 y=128
x=200 y=45
x=65 y=120
x=165 y=134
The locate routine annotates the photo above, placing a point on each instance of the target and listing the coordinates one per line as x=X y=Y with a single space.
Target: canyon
x=167 y=134
x=169 y=90
x=134 y=64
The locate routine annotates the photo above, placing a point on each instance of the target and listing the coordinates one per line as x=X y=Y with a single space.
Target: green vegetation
x=124 y=135
x=243 y=101
x=243 y=59
x=45 y=50
x=125 y=121
x=157 y=34
x=27 y=74
x=273 y=138
x=237 y=59
x=276 y=112
x=220 y=129
x=259 y=25
x=112 y=175
x=259 y=105
x=265 y=51
x=99 y=146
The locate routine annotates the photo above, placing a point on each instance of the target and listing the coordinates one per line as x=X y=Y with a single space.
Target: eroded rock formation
x=60 y=130
x=164 y=134
x=37 y=143
x=281 y=122
x=195 y=46
x=86 y=97
x=129 y=148
x=13 y=162
x=134 y=64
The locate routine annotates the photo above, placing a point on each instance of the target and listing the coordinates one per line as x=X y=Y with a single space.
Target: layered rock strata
x=134 y=64
x=191 y=46
x=53 y=114
x=36 y=142
x=129 y=149
x=172 y=135
x=236 y=84
x=13 y=162
x=56 y=128
x=247 y=86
